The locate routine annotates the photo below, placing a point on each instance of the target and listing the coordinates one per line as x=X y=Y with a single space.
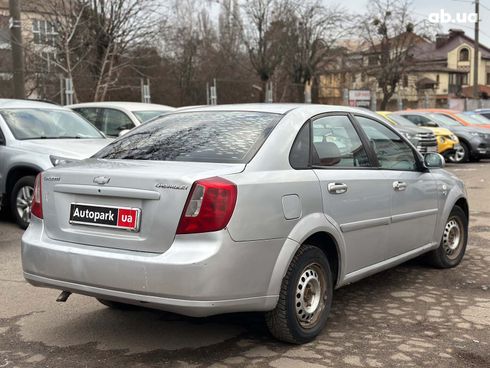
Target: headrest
x=328 y=153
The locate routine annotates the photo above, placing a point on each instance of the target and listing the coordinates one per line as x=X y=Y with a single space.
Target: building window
x=48 y=61
x=437 y=79
x=44 y=32
x=373 y=60
x=405 y=81
x=464 y=54
x=488 y=79
x=464 y=79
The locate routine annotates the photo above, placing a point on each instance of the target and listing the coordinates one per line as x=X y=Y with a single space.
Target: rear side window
x=114 y=122
x=210 y=136
x=90 y=114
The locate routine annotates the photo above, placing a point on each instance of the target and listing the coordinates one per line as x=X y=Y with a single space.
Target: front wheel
x=461 y=154
x=21 y=200
x=453 y=242
x=305 y=298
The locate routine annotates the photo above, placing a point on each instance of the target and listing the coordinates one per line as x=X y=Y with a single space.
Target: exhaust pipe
x=63 y=297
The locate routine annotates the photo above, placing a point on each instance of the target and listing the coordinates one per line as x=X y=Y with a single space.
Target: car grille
x=426 y=140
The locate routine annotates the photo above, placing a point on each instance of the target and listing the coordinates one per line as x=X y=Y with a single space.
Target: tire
x=20 y=200
x=309 y=270
x=451 y=251
x=117 y=305
x=462 y=155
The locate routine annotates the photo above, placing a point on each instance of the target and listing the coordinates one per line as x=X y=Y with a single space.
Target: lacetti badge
x=124 y=218
x=171 y=186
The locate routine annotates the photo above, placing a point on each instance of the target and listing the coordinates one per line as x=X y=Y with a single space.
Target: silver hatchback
x=243 y=208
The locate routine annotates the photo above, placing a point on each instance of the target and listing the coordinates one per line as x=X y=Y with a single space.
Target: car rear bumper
x=200 y=275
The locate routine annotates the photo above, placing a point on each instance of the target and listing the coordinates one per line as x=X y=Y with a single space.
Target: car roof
x=7 y=103
x=280 y=108
x=446 y=111
x=131 y=106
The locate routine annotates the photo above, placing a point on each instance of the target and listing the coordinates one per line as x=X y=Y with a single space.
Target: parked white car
x=35 y=136
x=116 y=118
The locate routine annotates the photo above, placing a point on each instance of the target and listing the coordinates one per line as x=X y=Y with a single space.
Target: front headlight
x=58 y=160
x=454 y=138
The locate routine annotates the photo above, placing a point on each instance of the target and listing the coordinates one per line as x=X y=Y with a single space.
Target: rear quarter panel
x=450 y=190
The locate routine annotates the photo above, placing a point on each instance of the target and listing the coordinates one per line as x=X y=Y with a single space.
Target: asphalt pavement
x=409 y=316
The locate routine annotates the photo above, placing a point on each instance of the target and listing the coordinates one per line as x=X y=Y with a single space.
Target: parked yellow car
x=446 y=140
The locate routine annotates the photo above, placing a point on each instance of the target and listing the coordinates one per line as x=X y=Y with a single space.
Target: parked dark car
x=474 y=141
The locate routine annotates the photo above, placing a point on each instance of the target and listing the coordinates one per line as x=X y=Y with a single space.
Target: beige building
x=441 y=71
x=39 y=36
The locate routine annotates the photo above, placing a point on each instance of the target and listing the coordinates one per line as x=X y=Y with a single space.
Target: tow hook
x=63 y=297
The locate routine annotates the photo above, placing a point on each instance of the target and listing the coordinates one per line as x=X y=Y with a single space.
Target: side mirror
x=122 y=132
x=434 y=160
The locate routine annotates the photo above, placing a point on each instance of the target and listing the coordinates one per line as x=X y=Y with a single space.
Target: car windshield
x=211 y=136
x=144 y=116
x=43 y=123
x=444 y=120
x=400 y=120
x=474 y=118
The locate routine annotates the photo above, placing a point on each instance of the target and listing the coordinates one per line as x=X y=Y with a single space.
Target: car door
x=356 y=197
x=414 y=189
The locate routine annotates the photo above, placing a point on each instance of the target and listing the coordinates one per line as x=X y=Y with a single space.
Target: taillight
x=209 y=206
x=37 y=201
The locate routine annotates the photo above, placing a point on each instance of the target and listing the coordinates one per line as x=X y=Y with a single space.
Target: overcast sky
x=422 y=9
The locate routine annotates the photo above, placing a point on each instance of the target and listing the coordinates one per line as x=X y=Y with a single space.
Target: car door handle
x=399 y=186
x=337 y=188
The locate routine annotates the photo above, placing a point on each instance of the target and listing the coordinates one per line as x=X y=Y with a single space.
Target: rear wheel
x=453 y=242
x=305 y=298
x=21 y=200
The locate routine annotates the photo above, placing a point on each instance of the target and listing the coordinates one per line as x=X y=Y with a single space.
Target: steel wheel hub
x=310 y=295
x=24 y=201
x=451 y=238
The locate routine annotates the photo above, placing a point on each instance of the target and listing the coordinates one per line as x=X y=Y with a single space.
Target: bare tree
x=92 y=40
x=389 y=31
x=265 y=35
x=187 y=36
x=313 y=30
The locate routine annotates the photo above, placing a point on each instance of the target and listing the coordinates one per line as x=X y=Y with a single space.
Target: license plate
x=105 y=216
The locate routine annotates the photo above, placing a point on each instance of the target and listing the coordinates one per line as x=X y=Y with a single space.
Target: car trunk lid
x=158 y=190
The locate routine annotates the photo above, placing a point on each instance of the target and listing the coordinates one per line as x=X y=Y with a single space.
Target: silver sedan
x=243 y=208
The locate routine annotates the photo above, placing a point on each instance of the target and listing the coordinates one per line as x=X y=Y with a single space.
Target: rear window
x=211 y=136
